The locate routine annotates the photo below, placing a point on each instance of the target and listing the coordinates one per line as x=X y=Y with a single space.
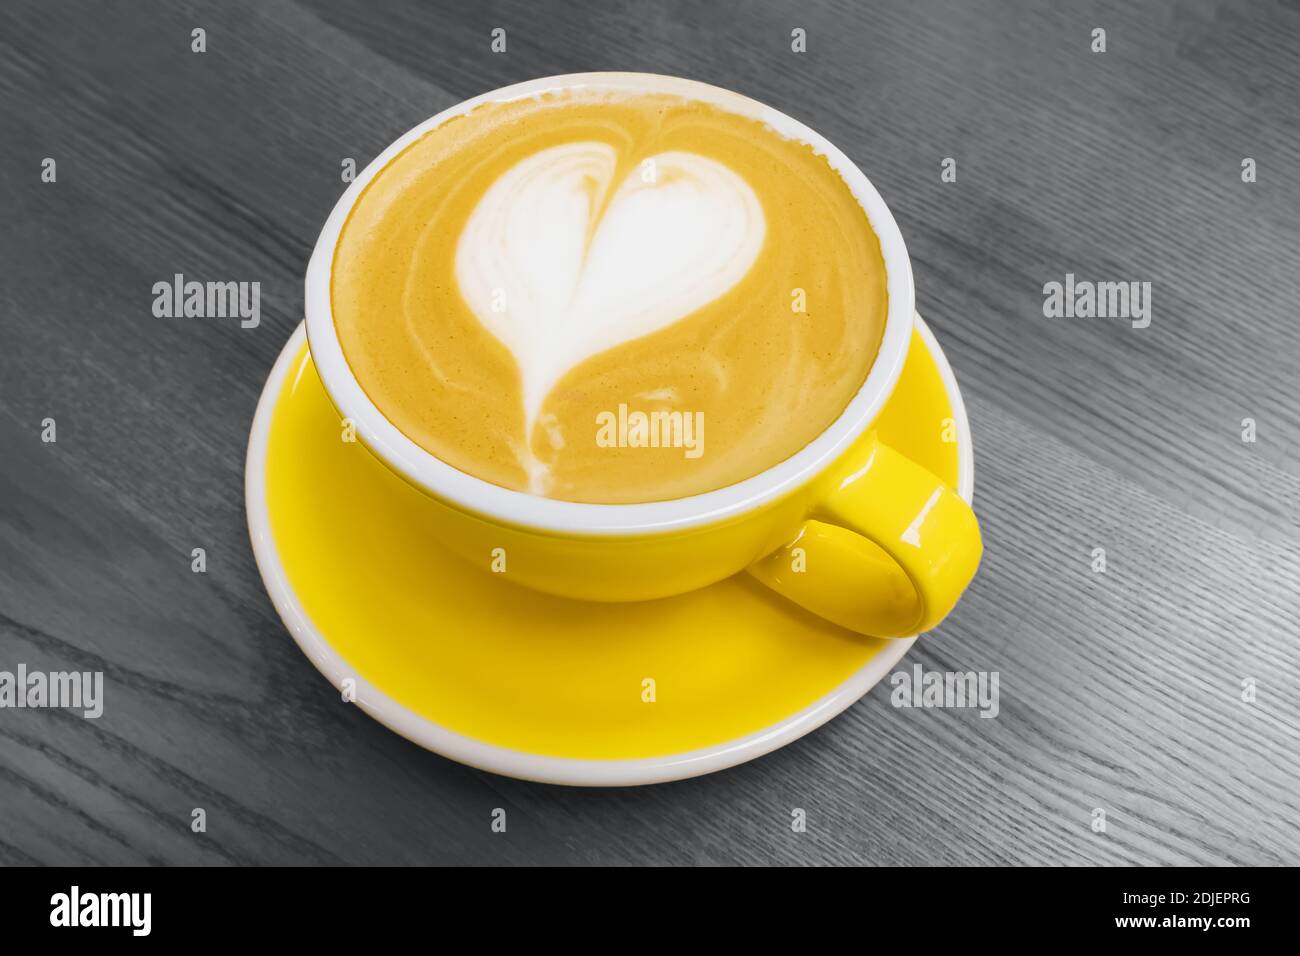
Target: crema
x=609 y=297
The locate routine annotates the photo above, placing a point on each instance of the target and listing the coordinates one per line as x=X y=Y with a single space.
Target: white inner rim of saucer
x=520 y=764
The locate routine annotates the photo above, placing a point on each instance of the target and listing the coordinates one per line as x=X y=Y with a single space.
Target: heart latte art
x=609 y=297
x=562 y=263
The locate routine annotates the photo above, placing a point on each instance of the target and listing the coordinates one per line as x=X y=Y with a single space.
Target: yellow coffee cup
x=830 y=528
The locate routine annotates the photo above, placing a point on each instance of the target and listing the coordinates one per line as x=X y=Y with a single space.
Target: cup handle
x=887 y=552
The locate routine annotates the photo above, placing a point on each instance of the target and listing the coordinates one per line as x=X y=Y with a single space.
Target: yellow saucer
x=510 y=680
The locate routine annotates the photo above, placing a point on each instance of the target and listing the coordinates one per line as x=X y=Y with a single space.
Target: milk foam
x=561 y=263
x=485 y=278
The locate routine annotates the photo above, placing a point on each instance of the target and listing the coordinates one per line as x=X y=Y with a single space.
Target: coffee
x=609 y=296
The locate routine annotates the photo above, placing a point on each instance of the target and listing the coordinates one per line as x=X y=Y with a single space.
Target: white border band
x=567 y=517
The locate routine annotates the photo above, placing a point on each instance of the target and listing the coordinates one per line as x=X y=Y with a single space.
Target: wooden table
x=1120 y=691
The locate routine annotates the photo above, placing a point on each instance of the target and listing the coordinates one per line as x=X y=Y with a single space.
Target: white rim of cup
x=567 y=517
x=569 y=771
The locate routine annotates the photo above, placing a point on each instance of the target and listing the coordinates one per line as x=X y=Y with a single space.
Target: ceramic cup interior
x=485 y=499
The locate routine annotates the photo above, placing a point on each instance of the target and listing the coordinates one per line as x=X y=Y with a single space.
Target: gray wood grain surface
x=1120 y=691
